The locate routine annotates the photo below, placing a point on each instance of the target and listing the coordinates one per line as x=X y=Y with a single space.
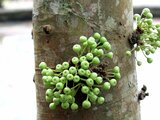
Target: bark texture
x=66 y=20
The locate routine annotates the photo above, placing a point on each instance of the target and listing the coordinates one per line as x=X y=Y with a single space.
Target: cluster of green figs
x=146 y=37
x=82 y=80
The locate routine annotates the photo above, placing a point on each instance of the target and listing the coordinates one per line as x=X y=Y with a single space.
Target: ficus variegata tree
x=57 y=26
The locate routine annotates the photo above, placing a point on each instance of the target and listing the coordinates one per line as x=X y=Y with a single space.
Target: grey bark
x=67 y=20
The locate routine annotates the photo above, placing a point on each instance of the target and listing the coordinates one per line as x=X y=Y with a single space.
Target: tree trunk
x=58 y=24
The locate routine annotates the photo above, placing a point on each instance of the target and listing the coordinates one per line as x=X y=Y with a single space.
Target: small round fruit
x=88 y=73
x=67 y=90
x=55 y=80
x=86 y=104
x=70 y=77
x=90 y=82
x=100 y=100
x=65 y=73
x=147 y=52
x=77 y=48
x=139 y=63
x=157 y=25
x=106 y=86
x=100 y=52
x=76 y=78
x=158 y=43
x=117 y=76
x=65 y=65
x=97 y=35
x=82 y=58
x=81 y=72
x=74 y=106
x=52 y=106
x=152 y=50
x=72 y=70
x=109 y=55
x=73 y=92
x=149 y=60
x=85 y=89
x=93 y=75
x=65 y=105
x=94 y=45
x=63 y=98
x=93 y=97
x=116 y=69
x=99 y=80
x=83 y=39
x=44 y=71
x=96 y=91
x=128 y=53
x=49 y=79
x=158 y=30
x=42 y=65
x=48 y=98
x=85 y=65
x=59 y=86
x=91 y=41
x=46 y=84
x=149 y=21
x=136 y=17
x=49 y=92
x=85 y=44
x=56 y=94
x=44 y=78
x=70 y=98
x=95 y=61
x=145 y=11
x=89 y=56
x=56 y=101
x=95 y=52
x=107 y=45
x=49 y=72
x=149 y=15
x=62 y=80
x=103 y=40
x=75 y=60
x=59 y=67
x=113 y=82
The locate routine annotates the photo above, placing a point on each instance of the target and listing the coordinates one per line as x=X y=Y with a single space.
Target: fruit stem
x=83 y=79
x=60 y=91
x=77 y=88
x=53 y=89
x=82 y=51
x=97 y=85
x=76 y=85
x=134 y=48
x=66 y=83
x=110 y=73
x=144 y=54
x=87 y=97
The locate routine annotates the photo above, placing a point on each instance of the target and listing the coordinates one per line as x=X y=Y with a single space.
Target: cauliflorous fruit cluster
x=146 y=36
x=80 y=81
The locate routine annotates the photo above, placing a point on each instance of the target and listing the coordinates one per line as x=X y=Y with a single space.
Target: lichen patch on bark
x=117 y=3
x=55 y=7
x=111 y=24
x=109 y=97
x=109 y=113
